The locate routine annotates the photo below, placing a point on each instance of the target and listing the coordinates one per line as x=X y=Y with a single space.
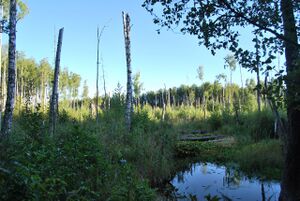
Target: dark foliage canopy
x=217 y=23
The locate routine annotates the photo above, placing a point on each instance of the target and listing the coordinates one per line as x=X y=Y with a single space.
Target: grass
x=263 y=159
x=82 y=161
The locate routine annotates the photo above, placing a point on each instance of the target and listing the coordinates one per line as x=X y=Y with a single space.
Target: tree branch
x=254 y=23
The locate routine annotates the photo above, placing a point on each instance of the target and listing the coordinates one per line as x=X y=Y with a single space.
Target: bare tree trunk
x=1 y=102
x=54 y=97
x=129 y=105
x=97 y=76
x=99 y=34
x=8 y=114
x=104 y=85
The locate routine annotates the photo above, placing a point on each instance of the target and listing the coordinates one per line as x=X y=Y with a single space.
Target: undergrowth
x=89 y=160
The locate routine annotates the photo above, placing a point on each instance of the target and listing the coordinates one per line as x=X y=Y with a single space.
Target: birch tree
x=137 y=87
x=129 y=105
x=8 y=114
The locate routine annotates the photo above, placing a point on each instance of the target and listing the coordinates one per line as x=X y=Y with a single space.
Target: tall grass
x=89 y=160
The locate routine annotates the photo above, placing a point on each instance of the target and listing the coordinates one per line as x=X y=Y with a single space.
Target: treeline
x=209 y=96
x=34 y=85
x=34 y=82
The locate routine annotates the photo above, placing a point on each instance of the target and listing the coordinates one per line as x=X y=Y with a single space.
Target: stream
x=204 y=179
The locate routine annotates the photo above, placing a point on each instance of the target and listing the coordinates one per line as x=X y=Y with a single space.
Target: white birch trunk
x=97 y=75
x=1 y=101
x=8 y=114
x=129 y=106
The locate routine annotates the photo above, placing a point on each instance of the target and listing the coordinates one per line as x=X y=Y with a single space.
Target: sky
x=168 y=58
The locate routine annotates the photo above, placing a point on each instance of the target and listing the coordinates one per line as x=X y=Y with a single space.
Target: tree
x=137 y=87
x=230 y=62
x=54 y=96
x=206 y=89
x=22 y=9
x=45 y=76
x=97 y=75
x=30 y=75
x=106 y=98
x=85 y=91
x=200 y=73
x=1 y=102
x=4 y=14
x=64 y=82
x=220 y=77
x=75 y=83
x=99 y=35
x=129 y=105
x=215 y=23
x=8 y=115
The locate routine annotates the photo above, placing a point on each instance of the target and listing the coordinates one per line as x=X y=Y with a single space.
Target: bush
x=215 y=121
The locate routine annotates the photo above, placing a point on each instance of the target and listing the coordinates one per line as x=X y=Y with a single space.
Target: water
x=226 y=183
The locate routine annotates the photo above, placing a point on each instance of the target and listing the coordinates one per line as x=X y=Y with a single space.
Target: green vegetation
x=99 y=160
x=250 y=144
x=90 y=161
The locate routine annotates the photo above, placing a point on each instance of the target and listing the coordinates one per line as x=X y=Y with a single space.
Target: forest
x=58 y=142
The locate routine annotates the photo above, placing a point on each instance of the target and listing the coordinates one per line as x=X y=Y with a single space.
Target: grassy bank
x=263 y=159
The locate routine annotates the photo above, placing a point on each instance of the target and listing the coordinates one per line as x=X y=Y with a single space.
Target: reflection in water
x=227 y=183
x=232 y=177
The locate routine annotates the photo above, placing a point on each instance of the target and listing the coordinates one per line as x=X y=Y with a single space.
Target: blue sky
x=168 y=58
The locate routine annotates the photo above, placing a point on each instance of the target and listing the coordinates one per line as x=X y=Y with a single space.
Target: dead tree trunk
x=97 y=76
x=106 y=99
x=99 y=34
x=129 y=106
x=1 y=102
x=8 y=114
x=54 y=97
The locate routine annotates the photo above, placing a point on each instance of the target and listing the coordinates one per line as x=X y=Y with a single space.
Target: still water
x=226 y=183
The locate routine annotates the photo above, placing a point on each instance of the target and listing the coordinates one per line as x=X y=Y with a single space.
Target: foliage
x=21 y=7
x=215 y=25
x=212 y=198
x=200 y=73
x=205 y=151
x=71 y=166
x=265 y=157
x=85 y=160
